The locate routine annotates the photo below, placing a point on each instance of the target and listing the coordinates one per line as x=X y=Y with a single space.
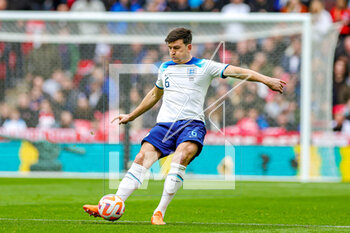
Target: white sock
x=131 y=181
x=172 y=183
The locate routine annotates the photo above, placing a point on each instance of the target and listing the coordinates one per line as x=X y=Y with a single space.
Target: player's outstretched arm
x=274 y=84
x=152 y=97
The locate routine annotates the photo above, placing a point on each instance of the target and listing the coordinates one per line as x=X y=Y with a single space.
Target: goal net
x=65 y=66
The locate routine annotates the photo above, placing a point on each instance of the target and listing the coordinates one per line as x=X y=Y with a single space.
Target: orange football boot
x=92 y=210
x=157 y=219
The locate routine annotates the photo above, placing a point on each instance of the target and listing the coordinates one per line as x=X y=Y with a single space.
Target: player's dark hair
x=179 y=33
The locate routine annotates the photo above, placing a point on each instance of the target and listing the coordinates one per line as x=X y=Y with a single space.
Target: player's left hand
x=276 y=84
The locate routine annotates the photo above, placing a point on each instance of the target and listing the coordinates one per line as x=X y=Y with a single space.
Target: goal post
x=150 y=29
x=305 y=123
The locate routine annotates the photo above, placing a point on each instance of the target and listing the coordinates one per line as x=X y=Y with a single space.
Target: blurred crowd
x=65 y=85
x=241 y=6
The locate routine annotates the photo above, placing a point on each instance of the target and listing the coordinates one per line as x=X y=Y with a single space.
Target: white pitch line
x=195 y=223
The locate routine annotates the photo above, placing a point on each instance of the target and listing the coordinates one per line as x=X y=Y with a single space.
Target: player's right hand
x=123 y=119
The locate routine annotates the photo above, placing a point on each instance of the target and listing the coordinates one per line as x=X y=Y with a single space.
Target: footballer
x=182 y=83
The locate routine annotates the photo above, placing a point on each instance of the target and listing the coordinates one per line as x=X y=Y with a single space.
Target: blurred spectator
x=36 y=97
x=267 y=55
x=19 y=5
x=249 y=123
x=346 y=109
x=235 y=7
x=87 y=50
x=340 y=123
x=261 y=64
x=5 y=111
x=237 y=95
x=293 y=116
x=123 y=6
x=97 y=75
x=274 y=53
x=341 y=73
x=261 y=5
x=238 y=114
x=53 y=84
x=11 y=59
x=234 y=59
x=27 y=114
x=209 y=52
x=58 y=104
x=46 y=116
x=103 y=52
x=62 y=7
x=70 y=94
x=194 y=4
x=294 y=6
x=14 y=62
x=209 y=6
x=251 y=99
x=178 y=5
x=291 y=91
x=3 y=5
x=43 y=60
x=129 y=54
x=95 y=93
x=156 y=5
x=69 y=53
x=292 y=57
x=343 y=49
x=321 y=19
x=245 y=53
x=275 y=108
x=83 y=110
x=38 y=82
x=88 y=6
x=15 y=123
x=107 y=85
x=340 y=13
x=66 y=120
x=98 y=101
x=84 y=69
x=284 y=122
x=126 y=5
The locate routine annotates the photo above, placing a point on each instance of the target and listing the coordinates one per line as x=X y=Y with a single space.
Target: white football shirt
x=185 y=87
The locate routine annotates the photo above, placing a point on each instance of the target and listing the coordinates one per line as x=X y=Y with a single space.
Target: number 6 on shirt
x=167 y=84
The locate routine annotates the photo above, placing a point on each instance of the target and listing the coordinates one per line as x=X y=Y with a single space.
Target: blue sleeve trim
x=222 y=72
x=158 y=86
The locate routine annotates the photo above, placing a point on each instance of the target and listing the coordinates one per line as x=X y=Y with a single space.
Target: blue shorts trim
x=166 y=136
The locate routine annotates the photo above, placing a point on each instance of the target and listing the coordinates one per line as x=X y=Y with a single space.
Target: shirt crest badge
x=191 y=72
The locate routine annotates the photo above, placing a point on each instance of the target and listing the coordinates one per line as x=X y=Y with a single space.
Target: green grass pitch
x=55 y=205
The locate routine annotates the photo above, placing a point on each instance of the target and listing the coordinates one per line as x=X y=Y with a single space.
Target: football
x=111 y=207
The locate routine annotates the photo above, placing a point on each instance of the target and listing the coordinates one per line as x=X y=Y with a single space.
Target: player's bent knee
x=146 y=158
x=190 y=148
x=140 y=157
x=185 y=153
